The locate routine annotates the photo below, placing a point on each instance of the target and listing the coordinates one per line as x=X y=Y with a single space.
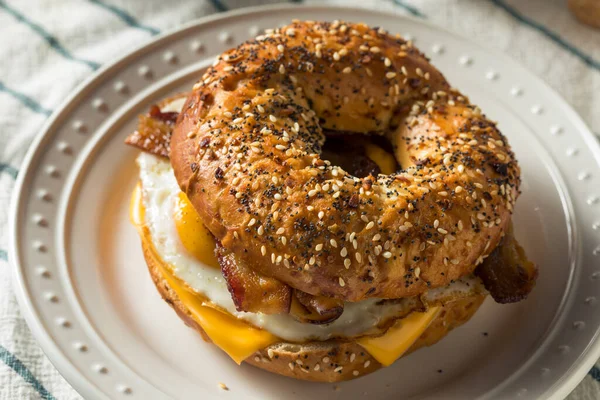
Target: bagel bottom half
x=322 y=361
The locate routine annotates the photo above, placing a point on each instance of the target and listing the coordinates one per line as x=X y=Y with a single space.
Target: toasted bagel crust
x=300 y=360
x=246 y=152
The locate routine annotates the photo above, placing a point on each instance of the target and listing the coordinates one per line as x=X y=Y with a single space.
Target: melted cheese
x=384 y=160
x=397 y=340
x=240 y=340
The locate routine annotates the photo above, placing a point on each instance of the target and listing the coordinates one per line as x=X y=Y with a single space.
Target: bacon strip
x=507 y=273
x=315 y=309
x=250 y=291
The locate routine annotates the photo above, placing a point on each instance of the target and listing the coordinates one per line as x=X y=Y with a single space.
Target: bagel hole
x=350 y=151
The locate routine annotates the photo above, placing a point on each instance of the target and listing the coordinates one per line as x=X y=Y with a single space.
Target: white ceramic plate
x=85 y=292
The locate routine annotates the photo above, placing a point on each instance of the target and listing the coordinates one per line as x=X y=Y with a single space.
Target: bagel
x=246 y=151
x=323 y=202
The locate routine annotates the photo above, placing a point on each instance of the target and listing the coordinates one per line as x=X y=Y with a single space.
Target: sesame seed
x=358 y=257
x=370 y=225
x=263 y=250
x=367 y=363
x=325 y=360
x=319 y=247
x=272 y=118
x=355 y=373
x=260 y=109
x=252 y=222
x=377 y=237
x=375 y=49
x=344 y=252
x=270 y=353
x=336 y=56
x=260 y=230
x=342 y=284
x=280 y=48
x=442 y=231
x=282 y=69
x=436 y=223
x=223 y=386
x=338 y=369
x=387 y=62
x=347 y=70
x=387 y=254
x=291 y=365
x=280 y=231
x=317 y=367
x=347 y=263
x=352 y=357
x=417 y=272
x=333 y=243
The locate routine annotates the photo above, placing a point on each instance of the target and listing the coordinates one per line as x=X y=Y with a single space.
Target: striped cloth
x=49 y=46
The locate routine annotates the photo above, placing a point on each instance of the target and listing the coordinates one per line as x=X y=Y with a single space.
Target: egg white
x=159 y=194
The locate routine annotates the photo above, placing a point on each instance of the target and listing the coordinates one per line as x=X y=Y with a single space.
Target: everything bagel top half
x=246 y=152
x=266 y=148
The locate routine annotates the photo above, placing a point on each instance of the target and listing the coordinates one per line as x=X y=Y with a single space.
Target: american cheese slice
x=397 y=340
x=236 y=338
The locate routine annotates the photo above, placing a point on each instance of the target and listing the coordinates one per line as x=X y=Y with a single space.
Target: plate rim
x=72 y=374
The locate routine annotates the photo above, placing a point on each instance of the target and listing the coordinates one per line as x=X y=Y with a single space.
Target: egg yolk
x=194 y=236
x=384 y=160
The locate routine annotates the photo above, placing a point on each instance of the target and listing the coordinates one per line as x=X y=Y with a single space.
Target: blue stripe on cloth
x=10 y=170
x=127 y=18
x=411 y=9
x=13 y=362
x=549 y=34
x=595 y=373
x=219 y=6
x=25 y=100
x=3 y=255
x=51 y=40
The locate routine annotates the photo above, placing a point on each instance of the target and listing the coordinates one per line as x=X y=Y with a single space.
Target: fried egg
x=182 y=241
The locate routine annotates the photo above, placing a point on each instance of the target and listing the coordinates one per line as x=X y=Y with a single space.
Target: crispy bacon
x=250 y=291
x=152 y=136
x=507 y=273
x=318 y=310
x=154 y=130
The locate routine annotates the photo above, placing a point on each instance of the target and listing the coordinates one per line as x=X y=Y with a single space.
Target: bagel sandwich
x=322 y=203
